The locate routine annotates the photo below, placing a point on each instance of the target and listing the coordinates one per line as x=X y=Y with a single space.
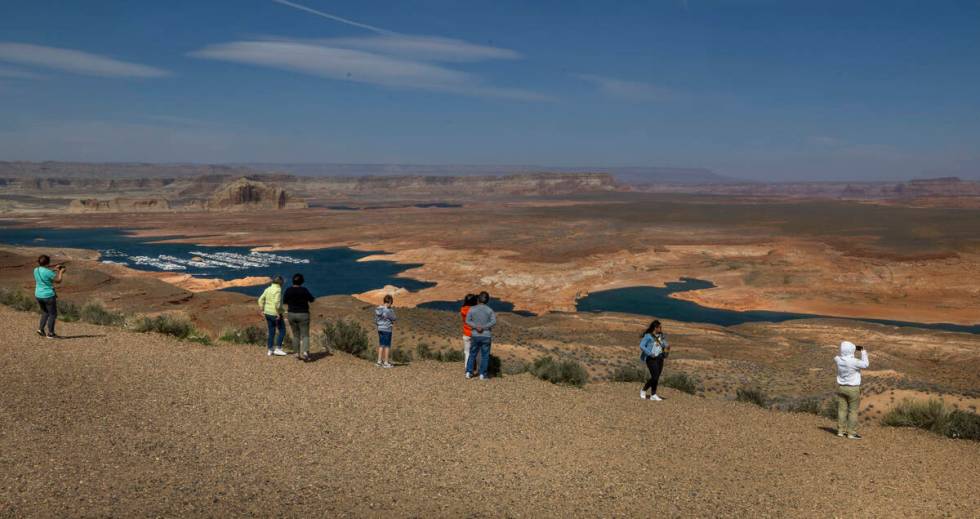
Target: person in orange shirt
x=468 y=302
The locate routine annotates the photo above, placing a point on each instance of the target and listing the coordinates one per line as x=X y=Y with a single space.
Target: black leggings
x=49 y=313
x=656 y=366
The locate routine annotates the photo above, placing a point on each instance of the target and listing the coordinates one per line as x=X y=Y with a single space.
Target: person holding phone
x=297 y=300
x=653 y=351
x=384 y=318
x=849 y=388
x=45 y=277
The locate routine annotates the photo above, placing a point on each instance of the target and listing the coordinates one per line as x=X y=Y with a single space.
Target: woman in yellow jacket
x=270 y=302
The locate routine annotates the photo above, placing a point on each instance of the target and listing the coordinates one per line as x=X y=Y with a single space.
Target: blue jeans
x=276 y=323
x=479 y=345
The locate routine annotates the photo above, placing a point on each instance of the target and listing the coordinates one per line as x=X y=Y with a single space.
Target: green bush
x=933 y=415
x=18 y=300
x=963 y=424
x=452 y=355
x=427 y=353
x=173 y=326
x=514 y=367
x=247 y=335
x=681 y=382
x=347 y=336
x=400 y=355
x=67 y=311
x=930 y=415
x=752 y=395
x=630 y=373
x=94 y=313
x=568 y=372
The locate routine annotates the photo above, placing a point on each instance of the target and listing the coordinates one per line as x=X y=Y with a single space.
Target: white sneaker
x=469 y=375
x=483 y=377
x=643 y=395
x=655 y=397
x=378 y=364
x=387 y=365
x=269 y=353
x=278 y=352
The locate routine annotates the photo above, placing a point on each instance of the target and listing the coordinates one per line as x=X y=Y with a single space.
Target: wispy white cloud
x=75 y=61
x=425 y=48
x=333 y=17
x=628 y=90
x=14 y=73
x=333 y=62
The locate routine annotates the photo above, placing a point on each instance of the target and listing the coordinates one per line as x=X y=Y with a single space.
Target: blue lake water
x=329 y=271
x=656 y=302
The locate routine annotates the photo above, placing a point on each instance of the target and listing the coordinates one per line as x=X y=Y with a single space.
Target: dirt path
x=121 y=424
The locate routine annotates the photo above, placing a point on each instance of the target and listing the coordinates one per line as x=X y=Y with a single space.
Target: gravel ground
x=110 y=423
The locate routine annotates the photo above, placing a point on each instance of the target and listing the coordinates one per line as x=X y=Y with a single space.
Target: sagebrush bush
x=514 y=367
x=929 y=414
x=933 y=415
x=67 y=311
x=347 y=336
x=247 y=335
x=425 y=352
x=173 y=326
x=630 y=373
x=400 y=355
x=809 y=405
x=568 y=372
x=752 y=395
x=94 y=313
x=18 y=300
x=963 y=425
x=681 y=381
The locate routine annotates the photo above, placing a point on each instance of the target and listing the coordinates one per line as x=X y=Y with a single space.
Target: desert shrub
x=809 y=405
x=347 y=336
x=94 y=313
x=681 y=381
x=568 y=372
x=173 y=326
x=829 y=409
x=17 y=300
x=752 y=395
x=630 y=373
x=452 y=355
x=400 y=355
x=933 y=415
x=247 y=335
x=930 y=415
x=67 y=311
x=513 y=367
x=963 y=424
x=427 y=353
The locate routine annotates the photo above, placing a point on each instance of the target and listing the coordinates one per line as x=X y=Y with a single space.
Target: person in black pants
x=297 y=300
x=653 y=352
x=45 y=278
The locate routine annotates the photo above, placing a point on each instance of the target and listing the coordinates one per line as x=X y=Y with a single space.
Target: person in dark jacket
x=297 y=300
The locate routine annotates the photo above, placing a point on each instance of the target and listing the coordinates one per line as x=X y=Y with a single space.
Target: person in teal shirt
x=45 y=278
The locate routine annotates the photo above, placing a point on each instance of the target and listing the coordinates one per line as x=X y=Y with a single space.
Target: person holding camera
x=653 y=351
x=849 y=388
x=45 y=277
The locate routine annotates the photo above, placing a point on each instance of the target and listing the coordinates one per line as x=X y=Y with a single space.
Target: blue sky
x=774 y=90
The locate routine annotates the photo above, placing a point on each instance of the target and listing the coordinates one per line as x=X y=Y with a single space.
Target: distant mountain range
x=626 y=175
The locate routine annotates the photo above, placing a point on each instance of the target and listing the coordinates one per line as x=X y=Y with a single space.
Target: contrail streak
x=335 y=18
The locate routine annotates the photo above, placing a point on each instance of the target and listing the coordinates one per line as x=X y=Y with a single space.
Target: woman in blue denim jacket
x=653 y=351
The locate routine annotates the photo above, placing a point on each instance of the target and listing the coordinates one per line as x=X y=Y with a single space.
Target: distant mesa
x=244 y=194
x=119 y=205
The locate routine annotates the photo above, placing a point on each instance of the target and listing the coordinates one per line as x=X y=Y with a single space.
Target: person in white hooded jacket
x=849 y=388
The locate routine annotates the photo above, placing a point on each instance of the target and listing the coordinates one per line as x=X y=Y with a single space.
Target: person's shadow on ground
x=69 y=337
x=830 y=430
